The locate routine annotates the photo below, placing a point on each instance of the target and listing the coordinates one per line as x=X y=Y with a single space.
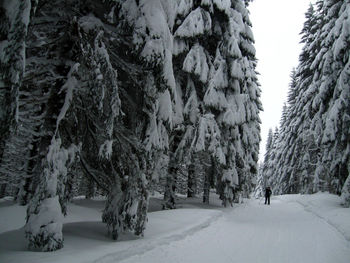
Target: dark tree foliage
x=312 y=149
x=115 y=97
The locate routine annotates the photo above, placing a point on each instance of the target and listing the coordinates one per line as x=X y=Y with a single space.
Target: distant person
x=268 y=193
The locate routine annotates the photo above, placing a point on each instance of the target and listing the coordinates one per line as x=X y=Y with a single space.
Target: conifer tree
x=345 y=194
x=102 y=90
x=148 y=25
x=267 y=159
x=15 y=17
x=260 y=184
x=321 y=104
x=221 y=93
x=89 y=119
x=313 y=153
x=331 y=102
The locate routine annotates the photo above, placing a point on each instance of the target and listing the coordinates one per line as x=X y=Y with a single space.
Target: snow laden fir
x=120 y=98
x=310 y=151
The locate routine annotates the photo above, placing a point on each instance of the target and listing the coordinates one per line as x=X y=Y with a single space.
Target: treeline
x=310 y=151
x=122 y=97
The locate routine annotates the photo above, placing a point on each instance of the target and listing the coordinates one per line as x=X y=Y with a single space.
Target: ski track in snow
x=294 y=228
x=280 y=233
x=141 y=249
x=312 y=211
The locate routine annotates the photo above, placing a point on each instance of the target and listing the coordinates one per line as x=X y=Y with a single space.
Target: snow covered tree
x=88 y=117
x=332 y=100
x=51 y=77
x=15 y=17
x=265 y=174
x=148 y=25
x=92 y=88
x=271 y=160
x=313 y=153
x=214 y=62
x=345 y=194
x=70 y=104
x=292 y=93
x=292 y=131
x=260 y=186
x=325 y=94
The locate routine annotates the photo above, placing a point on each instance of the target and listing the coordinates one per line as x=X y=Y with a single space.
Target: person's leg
x=268 y=200
x=265 y=200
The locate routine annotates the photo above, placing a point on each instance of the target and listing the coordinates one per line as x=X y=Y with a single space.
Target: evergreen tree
x=260 y=185
x=215 y=59
x=92 y=88
x=49 y=88
x=345 y=194
x=331 y=103
x=292 y=93
x=89 y=117
x=314 y=152
x=265 y=174
x=15 y=17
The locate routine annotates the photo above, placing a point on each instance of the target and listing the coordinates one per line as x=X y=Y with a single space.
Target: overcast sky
x=276 y=28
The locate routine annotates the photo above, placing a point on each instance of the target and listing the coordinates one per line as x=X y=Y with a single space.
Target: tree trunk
x=191 y=183
x=2 y=190
x=170 y=187
x=345 y=194
x=90 y=189
x=209 y=180
x=206 y=190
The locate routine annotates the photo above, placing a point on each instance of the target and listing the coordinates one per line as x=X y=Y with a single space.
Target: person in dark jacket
x=268 y=193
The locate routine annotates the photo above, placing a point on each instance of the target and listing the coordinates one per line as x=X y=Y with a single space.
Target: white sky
x=276 y=28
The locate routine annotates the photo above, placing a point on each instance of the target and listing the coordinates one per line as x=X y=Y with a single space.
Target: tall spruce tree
x=15 y=17
x=267 y=159
x=331 y=102
x=89 y=115
x=215 y=65
x=314 y=152
x=102 y=90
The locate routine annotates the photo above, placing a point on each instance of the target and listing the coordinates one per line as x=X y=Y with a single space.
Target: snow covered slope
x=294 y=228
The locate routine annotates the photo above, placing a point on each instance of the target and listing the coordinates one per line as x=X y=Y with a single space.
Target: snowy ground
x=293 y=228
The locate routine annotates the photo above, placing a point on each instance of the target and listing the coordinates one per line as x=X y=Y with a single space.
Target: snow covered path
x=294 y=228
x=280 y=233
